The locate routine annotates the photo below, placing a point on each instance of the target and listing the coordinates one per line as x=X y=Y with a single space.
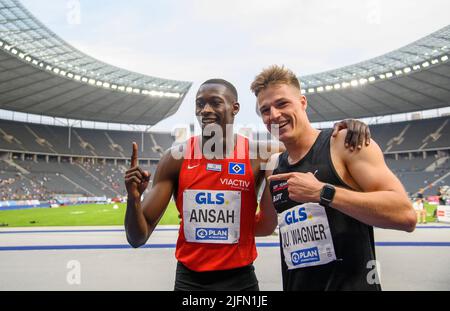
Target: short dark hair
x=225 y=83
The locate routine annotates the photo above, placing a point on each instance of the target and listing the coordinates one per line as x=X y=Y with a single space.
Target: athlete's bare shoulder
x=176 y=152
x=171 y=160
x=339 y=149
x=338 y=141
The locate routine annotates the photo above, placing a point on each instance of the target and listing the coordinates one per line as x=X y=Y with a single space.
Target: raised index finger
x=134 y=158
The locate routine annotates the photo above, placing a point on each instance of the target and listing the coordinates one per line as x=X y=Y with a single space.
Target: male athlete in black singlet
x=326 y=197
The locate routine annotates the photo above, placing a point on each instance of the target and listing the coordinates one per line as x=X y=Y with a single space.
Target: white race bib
x=212 y=216
x=305 y=236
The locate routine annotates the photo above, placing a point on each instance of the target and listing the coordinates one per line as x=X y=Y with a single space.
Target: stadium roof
x=413 y=78
x=42 y=74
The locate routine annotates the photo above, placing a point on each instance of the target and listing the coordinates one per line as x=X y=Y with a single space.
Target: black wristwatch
x=327 y=195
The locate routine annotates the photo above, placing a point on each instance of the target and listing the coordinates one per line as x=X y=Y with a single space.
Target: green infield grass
x=97 y=215
x=77 y=215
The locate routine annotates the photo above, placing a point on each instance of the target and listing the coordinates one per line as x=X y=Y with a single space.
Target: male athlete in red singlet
x=214 y=183
x=217 y=198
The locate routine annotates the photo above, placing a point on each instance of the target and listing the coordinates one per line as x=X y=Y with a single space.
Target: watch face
x=328 y=193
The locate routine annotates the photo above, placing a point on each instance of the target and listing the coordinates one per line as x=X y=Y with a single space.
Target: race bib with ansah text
x=212 y=216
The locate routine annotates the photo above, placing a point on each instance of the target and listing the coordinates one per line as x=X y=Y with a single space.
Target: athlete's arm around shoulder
x=267 y=219
x=141 y=218
x=380 y=199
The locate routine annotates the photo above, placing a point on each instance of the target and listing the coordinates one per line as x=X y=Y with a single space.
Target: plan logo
x=218 y=234
x=306 y=255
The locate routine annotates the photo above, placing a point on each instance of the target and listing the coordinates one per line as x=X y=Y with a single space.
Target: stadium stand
x=414 y=135
x=54 y=140
x=408 y=136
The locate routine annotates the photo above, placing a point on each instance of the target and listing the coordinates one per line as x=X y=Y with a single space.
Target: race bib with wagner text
x=305 y=236
x=212 y=216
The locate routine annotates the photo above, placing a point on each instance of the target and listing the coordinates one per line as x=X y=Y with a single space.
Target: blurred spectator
x=420 y=211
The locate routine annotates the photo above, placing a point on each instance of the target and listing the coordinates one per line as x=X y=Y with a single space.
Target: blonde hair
x=274 y=75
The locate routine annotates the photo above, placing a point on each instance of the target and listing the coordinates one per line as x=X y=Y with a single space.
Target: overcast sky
x=195 y=40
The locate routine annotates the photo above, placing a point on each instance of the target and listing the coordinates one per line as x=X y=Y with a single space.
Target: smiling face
x=282 y=107
x=215 y=104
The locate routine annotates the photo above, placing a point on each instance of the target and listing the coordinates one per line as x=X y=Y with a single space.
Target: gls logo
x=294 y=216
x=207 y=198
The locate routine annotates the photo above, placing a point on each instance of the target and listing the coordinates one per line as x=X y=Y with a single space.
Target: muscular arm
x=141 y=218
x=383 y=201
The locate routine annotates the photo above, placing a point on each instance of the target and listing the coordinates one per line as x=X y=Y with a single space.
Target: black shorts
x=239 y=279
